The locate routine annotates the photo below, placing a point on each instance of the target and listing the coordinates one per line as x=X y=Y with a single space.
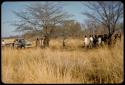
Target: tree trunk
x=46 y=41
x=110 y=37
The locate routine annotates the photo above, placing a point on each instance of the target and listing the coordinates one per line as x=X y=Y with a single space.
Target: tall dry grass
x=70 y=65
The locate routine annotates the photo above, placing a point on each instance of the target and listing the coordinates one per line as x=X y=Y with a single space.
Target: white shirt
x=3 y=43
x=99 y=40
x=86 y=41
x=91 y=39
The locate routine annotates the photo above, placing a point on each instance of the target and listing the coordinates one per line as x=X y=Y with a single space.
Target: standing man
x=3 y=43
x=46 y=41
x=37 y=42
x=86 y=42
x=95 y=40
x=21 y=43
x=41 y=42
x=99 y=40
x=91 y=41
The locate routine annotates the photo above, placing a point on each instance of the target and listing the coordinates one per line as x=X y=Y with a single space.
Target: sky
x=72 y=7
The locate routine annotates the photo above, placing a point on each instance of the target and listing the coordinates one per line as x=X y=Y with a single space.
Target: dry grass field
x=55 y=64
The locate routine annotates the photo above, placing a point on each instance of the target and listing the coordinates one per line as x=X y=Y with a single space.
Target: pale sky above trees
x=75 y=8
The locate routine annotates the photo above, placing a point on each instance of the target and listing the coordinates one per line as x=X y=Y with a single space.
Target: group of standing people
x=42 y=42
x=19 y=43
x=89 y=41
x=99 y=40
x=92 y=41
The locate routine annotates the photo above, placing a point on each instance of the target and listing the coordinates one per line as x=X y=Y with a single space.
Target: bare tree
x=70 y=28
x=42 y=16
x=90 y=27
x=73 y=27
x=108 y=13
